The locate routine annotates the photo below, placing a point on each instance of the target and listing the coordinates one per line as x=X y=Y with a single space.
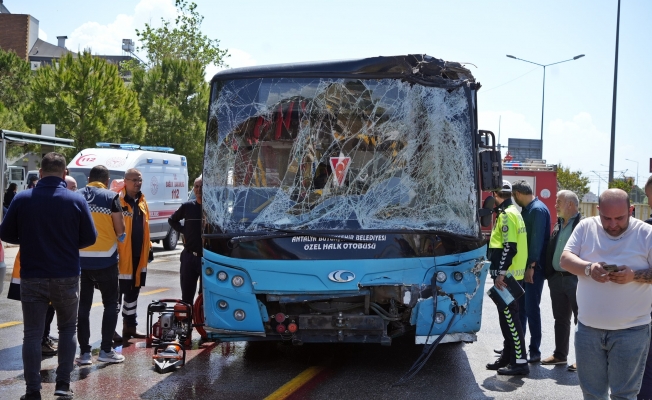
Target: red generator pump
x=541 y=176
x=171 y=334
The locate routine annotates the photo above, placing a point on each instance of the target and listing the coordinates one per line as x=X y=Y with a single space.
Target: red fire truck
x=541 y=176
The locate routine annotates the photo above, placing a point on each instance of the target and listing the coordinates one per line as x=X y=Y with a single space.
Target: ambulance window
x=81 y=176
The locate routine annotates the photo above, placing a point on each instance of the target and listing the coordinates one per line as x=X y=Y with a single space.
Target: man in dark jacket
x=49 y=266
x=537 y=223
x=562 y=284
x=191 y=213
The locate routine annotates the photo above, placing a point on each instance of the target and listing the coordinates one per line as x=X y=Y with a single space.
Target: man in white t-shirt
x=613 y=333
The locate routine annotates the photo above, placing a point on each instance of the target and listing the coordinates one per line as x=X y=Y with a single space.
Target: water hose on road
x=198 y=316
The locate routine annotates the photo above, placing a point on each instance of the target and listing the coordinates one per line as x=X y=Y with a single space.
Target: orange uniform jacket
x=130 y=274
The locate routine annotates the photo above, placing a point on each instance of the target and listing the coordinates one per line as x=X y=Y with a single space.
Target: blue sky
x=577 y=122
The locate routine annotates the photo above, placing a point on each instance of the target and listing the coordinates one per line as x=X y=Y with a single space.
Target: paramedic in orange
x=133 y=252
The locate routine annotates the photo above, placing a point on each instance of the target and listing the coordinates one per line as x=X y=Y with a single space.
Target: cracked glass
x=339 y=154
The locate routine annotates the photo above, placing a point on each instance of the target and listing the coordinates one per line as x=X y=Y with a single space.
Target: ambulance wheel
x=170 y=241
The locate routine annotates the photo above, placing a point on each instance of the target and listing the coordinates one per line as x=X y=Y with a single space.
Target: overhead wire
x=503 y=84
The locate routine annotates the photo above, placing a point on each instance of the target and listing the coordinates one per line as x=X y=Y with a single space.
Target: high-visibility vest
x=510 y=227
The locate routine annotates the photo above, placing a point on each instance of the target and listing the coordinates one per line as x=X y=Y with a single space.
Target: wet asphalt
x=256 y=370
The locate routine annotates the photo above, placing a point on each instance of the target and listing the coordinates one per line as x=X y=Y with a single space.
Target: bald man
x=612 y=256
x=71 y=183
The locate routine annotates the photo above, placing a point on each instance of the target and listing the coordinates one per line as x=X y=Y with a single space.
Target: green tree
x=12 y=120
x=183 y=41
x=172 y=93
x=87 y=100
x=573 y=181
x=173 y=98
x=15 y=77
x=637 y=195
x=621 y=184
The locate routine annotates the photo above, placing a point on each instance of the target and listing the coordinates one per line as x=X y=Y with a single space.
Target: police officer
x=508 y=253
x=191 y=213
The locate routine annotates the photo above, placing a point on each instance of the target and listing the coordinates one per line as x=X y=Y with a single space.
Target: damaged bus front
x=341 y=202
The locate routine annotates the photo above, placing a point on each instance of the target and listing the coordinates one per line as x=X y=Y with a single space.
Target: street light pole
x=636 y=169
x=612 y=146
x=543 y=96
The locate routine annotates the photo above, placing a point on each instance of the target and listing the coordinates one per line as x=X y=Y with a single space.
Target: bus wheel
x=170 y=241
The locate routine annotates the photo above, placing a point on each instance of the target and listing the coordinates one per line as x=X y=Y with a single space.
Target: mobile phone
x=610 y=267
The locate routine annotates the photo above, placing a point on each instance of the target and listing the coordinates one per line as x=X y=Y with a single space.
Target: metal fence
x=641 y=211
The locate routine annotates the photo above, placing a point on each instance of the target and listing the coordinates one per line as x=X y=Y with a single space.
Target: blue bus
x=342 y=202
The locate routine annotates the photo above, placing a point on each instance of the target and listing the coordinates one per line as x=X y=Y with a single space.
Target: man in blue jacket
x=49 y=247
x=537 y=224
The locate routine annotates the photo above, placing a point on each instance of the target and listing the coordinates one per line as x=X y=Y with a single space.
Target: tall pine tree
x=87 y=100
x=173 y=98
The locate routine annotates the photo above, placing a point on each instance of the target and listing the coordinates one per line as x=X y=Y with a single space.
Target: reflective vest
x=104 y=252
x=509 y=227
x=14 y=285
x=125 y=262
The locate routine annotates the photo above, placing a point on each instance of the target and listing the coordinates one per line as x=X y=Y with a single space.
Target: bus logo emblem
x=341 y=276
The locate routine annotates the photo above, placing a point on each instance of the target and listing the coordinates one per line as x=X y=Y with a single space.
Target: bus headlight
x=239 y=315
x=440 y=317
x=441 y=277
x=458 y=276
x=237 y=281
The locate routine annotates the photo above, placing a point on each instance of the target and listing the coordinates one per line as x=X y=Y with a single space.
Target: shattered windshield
x=339 y=154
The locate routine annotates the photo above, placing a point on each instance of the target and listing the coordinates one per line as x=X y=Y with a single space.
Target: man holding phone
x=613 y=333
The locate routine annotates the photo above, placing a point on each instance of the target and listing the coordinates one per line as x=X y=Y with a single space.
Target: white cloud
x=237 y=59
x=107 y=39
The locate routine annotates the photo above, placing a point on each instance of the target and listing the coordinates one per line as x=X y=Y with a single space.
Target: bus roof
x=421 y=68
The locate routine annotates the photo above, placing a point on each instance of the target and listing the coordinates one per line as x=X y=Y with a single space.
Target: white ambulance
x=165 y=179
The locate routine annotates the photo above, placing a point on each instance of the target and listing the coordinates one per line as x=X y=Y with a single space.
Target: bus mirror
x=491 y=172
x=486 y=211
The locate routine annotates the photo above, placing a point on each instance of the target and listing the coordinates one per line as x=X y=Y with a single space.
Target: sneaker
x=63 y=389
x=499 y=363
x=515 y=369
x=534 y=358
x=84 y=359
x=110 y=357
x=31 y=396
x=552 y=360
x=48 y=347
x=572 y=367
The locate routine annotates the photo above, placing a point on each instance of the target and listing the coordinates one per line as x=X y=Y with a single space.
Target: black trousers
x=189 y=273
x=564 y=306
x=510 y=326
